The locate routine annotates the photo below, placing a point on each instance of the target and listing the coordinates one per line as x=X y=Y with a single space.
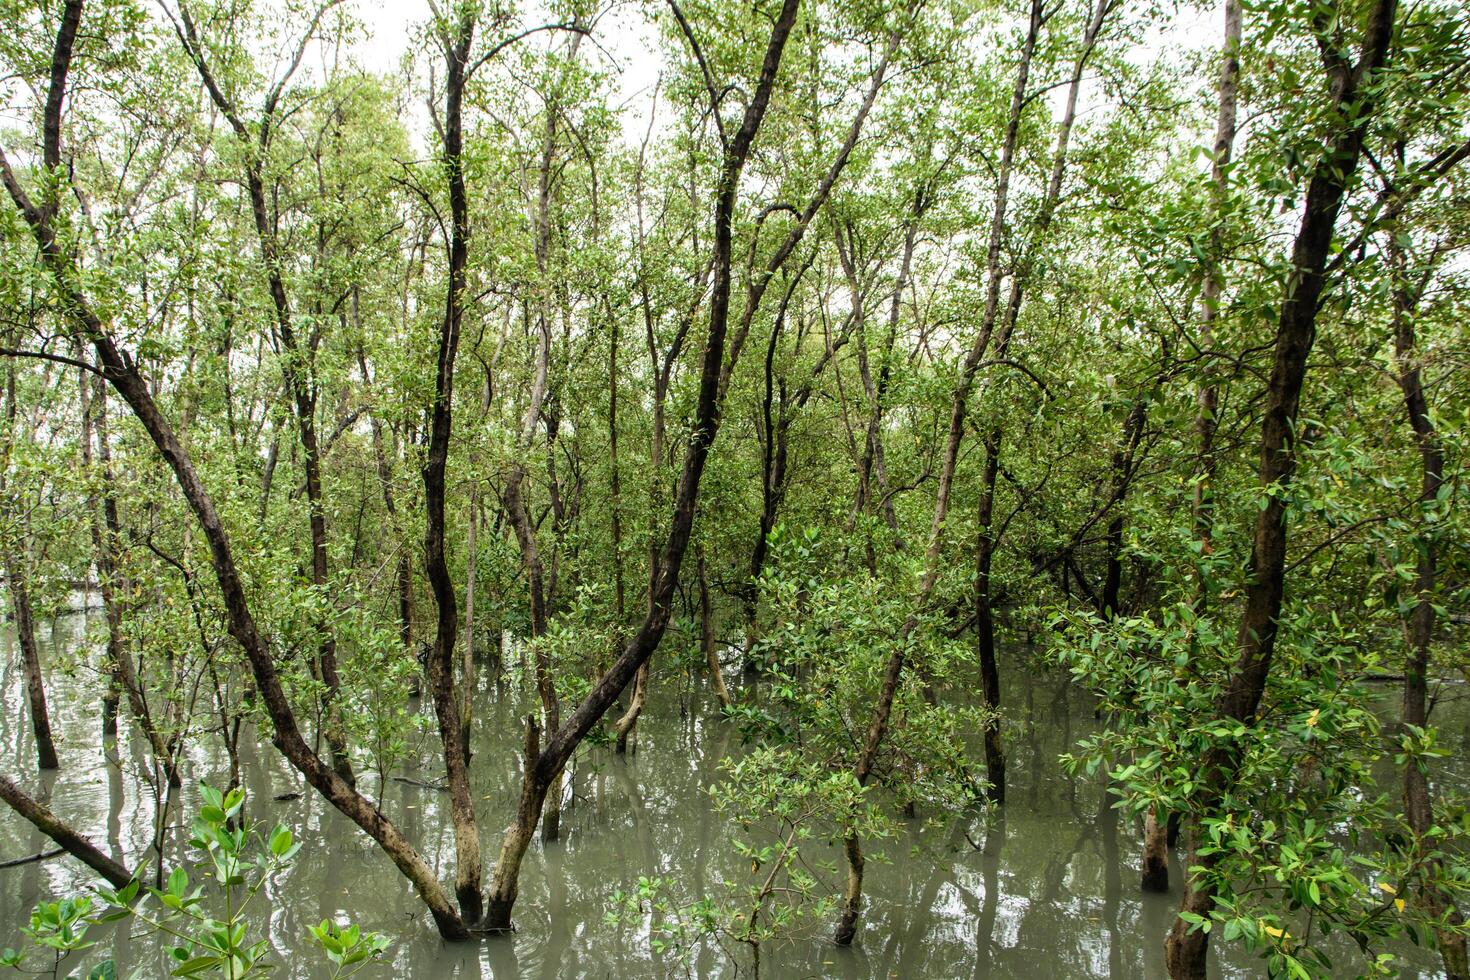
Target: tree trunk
x=893 y=672
x=1154 y=876
x=121 y=371
x=1419 y=629
x=707 y=637
x=17 y=580
x=1186 y=947
x=995 y=759
x=456 y=43
x=16 y=577
x=625 y=725
x=65 y=837
x=852 y=892
x=297 y=368
x=564 y=741
x=1209 y=392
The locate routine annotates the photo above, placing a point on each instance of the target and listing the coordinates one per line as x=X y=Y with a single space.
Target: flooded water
x=1045 y=888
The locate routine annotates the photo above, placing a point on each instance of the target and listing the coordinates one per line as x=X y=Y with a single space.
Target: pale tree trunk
x=851 y=906
x=18 y=582
x=1155 y=871
x=707 y=637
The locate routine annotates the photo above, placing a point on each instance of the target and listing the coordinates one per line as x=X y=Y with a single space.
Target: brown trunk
x=995 y=759
x=707 y=637
x=1419 y=629
x=893 y=672
x=1185 y=950
x=852 y=893
x=1154 y=876
x=625 y=725
x=65 y=837
x=17 y=580
x=122 y=373
x=456 y=43
x=25 y=633
x=1122 y=461
x=563 y=742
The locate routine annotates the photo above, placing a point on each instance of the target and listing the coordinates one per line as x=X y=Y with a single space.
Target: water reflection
x=1047 y=887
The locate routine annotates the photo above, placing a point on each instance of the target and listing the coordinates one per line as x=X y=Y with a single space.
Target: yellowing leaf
x=1385 y=886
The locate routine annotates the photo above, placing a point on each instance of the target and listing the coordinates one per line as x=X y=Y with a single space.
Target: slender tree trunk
x=1123 y=461
x=623 y=729
x=17 y=578
x=1159 y=834
x=707 y=637
x=18 y=582
x=846 y=929
x=467 y=653
x=995 y=758
x=121 y=371
x=1419 y=629
x=544 y=765
x=456 y=44
x=1210 y=293
x=1187 y=947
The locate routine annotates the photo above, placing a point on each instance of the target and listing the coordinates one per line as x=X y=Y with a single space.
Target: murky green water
x=1050 y=891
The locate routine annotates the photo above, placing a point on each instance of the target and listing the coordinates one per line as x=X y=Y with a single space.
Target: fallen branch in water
x=72 y=842
x=17 y=862
x=419 y=782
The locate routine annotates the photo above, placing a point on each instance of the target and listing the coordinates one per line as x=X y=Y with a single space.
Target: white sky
x=625 y=44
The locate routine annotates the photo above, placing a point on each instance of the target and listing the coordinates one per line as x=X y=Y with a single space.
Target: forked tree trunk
x=543 y=766
x=121 y=371
x=455 y=41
